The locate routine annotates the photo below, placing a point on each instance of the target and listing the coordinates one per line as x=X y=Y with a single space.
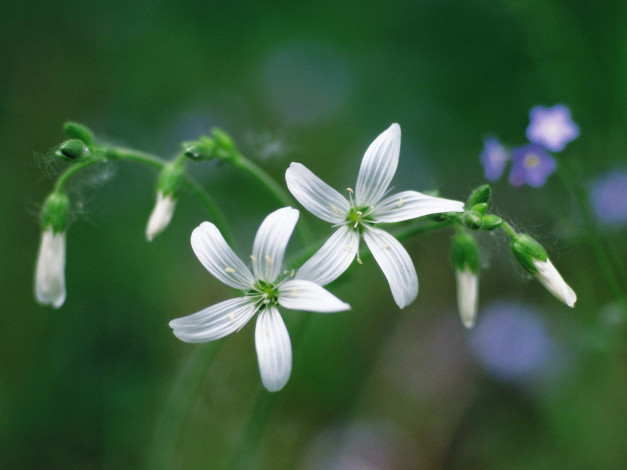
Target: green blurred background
x=103 y=383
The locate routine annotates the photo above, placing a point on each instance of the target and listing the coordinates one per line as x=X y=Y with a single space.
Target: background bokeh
x=103 y=383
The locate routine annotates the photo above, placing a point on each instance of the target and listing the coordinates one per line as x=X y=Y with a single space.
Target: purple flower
x=551 y=127
x=493 y=158
x=531 y=164
x=512 y=343
x=609 y=198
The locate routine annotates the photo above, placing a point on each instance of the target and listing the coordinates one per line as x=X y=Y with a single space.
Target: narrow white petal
x=395 y=264
x=467 y=296
x=298 y=294
x=214 y=322
x=161 y=215
x=411 y=205
x=332 y=259
x=274 y=350
x=271 y=242
x=50 y=270
x=378 y=167
x=218 y=257
x=554 y=283
x=315 y=195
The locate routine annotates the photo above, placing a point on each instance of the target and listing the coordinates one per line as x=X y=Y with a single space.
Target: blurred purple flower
x=531 y=164
x=552 y=127
x=493 y=158
x=608 y=195
x=512 y=343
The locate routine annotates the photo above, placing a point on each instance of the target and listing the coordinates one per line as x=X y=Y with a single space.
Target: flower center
x=532 y=160
x=358 y=216
x=268 y=293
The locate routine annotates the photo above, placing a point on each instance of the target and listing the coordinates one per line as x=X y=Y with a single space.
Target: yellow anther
x=359 y=259
x=269 y=260
x=348 y=247
x=400 y=202
x=385 y=247
x=350 y=190
x=292 y=273
x=253 y=258
x=231 y=317
x=229 y=270
x=335 y=210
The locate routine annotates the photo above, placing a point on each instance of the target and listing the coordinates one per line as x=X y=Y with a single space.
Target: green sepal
x=465 y=253
x=72 y=149
x=171 y=179
x=482 y=207
x=225 y=147
x=526 y=250
x=201 y=149
x=491 y=222
x=439 y=217
x=75 y=130
x=479 y=195
x=55 y=212
x=472 y=220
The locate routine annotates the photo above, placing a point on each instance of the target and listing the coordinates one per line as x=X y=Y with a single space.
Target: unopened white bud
x=554 y=283
x=467 y=295
x=50 y=270
x=160 y=216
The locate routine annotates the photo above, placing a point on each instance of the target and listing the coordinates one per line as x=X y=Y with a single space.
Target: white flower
x=467 y=295
x=358 y=215
x=265 y=290
x=50 y=270
x=160 y=216
x=553 y=281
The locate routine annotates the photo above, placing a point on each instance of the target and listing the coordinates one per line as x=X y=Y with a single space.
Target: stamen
x=269 y=260
x=359 y=212
x=231 y=317
x=292 y=273
x=253 y=258
x=385 y=247
x=400 y=202
x=350 y=190
x=335 y=210
x=229 y=270
x=348 y=247
x=359 y=259
x=356 y=224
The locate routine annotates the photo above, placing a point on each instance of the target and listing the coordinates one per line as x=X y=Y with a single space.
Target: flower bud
x=465 y=258
x=491 y=222
x=201 y=149
x=534 y=259
x=481 y=208
x=75 y=130
x=72 y=149
x=472 y=220
x=50 y=268
x=479 y=195
x=168 y=187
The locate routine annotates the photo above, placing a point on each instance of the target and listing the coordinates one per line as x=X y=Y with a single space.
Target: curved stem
x=275 y=188
x=65 y=176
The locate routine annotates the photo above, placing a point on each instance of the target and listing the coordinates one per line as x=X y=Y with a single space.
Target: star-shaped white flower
x=264 y=290
x=358 y=215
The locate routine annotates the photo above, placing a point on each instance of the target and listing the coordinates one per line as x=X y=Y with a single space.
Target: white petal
x=218 y=257
x=274 y=350
x=411 y=205
x=332 y=259
x=554 y=283
x=467 y=296
x=161 y=215
x=378 y=167
x=297 y=294
x=271 y=242
x=50 y=270
x=395 y=264
x=214 y=322
x=315 y=195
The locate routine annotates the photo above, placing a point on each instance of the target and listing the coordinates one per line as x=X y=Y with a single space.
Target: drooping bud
x=465 y=258
x=201 y=149
x=534 y=259
x=472 y=220
x=72 y=149
x=50 y=268
x=168 y=187
x=490 y=222
x=479 y=195
x=75 y=130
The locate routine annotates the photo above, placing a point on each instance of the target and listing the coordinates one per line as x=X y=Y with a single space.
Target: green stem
x=275 y=188
x=65 y=176
x=507 y=228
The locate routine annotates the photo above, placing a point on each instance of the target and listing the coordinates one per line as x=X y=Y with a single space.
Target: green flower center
x=267 y=292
